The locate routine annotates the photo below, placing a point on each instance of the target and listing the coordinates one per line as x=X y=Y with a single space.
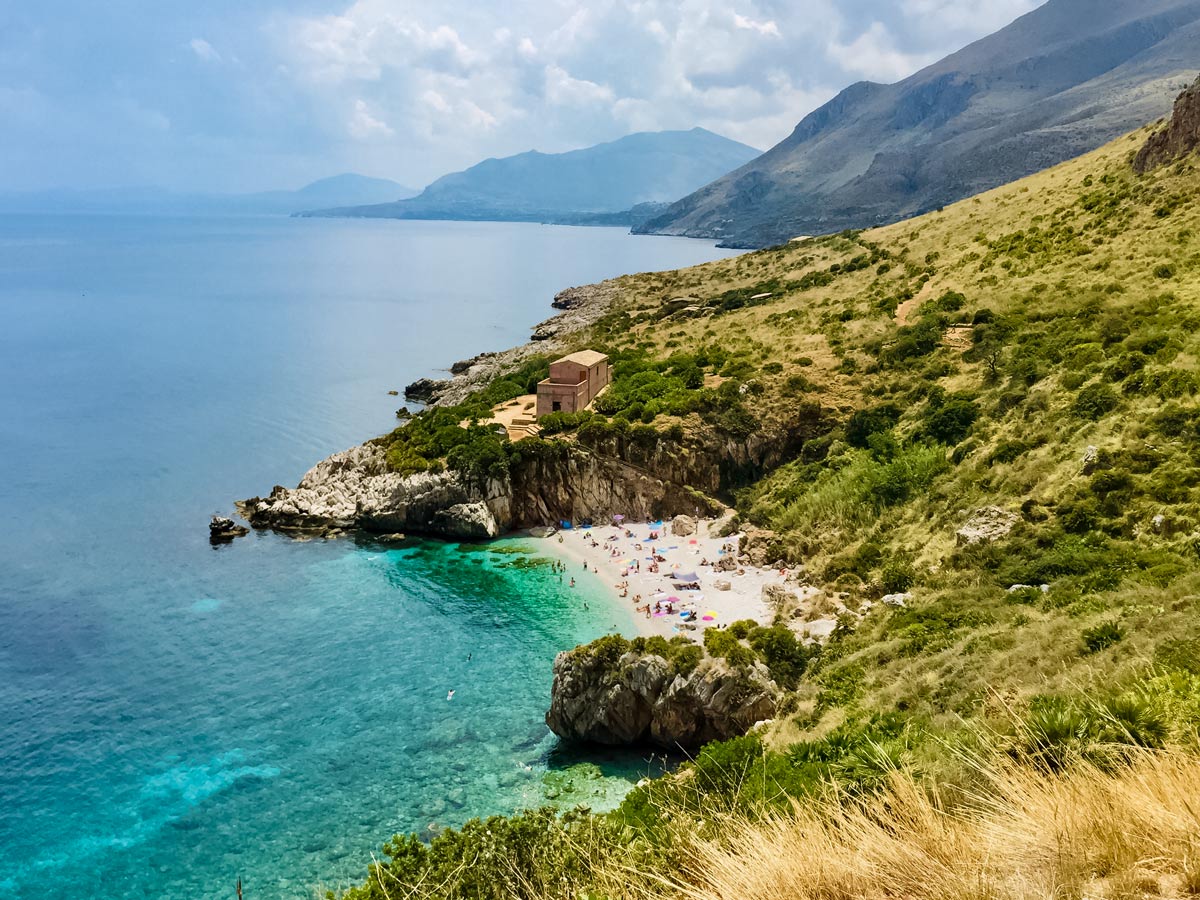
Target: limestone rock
x=222 y=530
x=1178 y=139
x=471 y=521
x=991 y=523
x=543 y=333
x=899 y=601
x=1091 y=459
x=725 y=564
x=424 y=390
x=682 y=526
x=723 y=585
x=638 y=699
x=542 y=531
x=778 y=595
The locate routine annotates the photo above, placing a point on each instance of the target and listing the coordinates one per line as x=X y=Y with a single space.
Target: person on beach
x=572 y=581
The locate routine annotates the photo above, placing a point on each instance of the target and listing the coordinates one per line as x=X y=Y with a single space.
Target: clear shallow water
x=175 y=716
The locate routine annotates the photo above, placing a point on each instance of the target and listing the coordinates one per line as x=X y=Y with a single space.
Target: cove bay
x=177 y=715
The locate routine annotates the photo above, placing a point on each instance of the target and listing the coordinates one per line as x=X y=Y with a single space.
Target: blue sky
x=253 y=94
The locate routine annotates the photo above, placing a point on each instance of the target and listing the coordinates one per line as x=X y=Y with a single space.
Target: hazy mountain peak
x=640 y=168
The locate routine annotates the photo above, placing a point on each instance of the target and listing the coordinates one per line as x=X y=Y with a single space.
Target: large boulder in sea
x=425 y=390
x=606 y=694
x=221 y=530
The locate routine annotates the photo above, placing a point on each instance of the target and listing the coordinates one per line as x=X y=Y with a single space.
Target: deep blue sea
x=174 y=716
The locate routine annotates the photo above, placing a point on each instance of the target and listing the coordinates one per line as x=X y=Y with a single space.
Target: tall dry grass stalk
x=1131 y=832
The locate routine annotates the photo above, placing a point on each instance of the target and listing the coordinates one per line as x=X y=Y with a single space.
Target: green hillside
x=1034 y=349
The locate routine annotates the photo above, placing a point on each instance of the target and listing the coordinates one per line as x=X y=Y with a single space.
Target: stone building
x=574 y=382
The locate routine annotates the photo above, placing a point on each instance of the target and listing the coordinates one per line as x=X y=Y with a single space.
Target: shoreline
x=696 y=554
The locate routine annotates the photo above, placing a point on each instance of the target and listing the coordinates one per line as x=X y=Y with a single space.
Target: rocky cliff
x=639 y=698
x=547 y=482
x=1178 y=139
x=355 y=489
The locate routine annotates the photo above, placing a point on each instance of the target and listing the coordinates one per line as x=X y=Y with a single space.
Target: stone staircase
x=523 y=427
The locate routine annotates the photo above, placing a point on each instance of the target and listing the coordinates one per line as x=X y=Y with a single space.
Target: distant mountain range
x=596 y=185
x=1059 y=81
x=337 y=190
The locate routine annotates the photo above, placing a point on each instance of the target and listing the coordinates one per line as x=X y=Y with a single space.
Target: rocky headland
x=641 y=697
x=580 y=307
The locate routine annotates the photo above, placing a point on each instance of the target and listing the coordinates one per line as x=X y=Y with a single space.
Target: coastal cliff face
x=567 y=481
x=355 y=489
x=640 y=699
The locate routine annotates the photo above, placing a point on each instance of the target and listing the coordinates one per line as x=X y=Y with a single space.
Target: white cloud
x=364 y=126
x=768 y=28
x=204 y=50
x=873 y=55
x=977 y=17
x=563 y=90
x=444 y=83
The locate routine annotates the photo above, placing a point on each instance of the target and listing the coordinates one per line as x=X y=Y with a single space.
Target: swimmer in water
x=450 y=695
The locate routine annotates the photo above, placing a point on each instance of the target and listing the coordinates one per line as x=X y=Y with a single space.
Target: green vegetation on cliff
x=1035 y=350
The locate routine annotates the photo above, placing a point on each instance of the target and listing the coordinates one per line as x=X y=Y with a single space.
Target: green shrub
x=721 y=643
x=784 y=655
x=1102 y=636
x=950 y=421
x=898 y=576
x=1095 y=402
x=866 y=422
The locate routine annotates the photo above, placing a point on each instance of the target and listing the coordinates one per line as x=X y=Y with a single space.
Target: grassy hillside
x=1036 y=349
x=964 y=359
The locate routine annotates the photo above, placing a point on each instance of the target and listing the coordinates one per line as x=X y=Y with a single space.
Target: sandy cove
x=696 y=553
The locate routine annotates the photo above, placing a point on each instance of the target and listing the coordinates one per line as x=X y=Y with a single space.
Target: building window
x=556 y=406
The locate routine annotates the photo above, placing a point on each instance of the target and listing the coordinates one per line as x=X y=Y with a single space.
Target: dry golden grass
x=1129 y=833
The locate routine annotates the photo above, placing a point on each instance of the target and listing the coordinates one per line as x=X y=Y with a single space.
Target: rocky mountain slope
x=1058 y=82
x=610 y=178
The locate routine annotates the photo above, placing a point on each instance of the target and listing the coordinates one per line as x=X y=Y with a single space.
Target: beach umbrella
x=618 y=518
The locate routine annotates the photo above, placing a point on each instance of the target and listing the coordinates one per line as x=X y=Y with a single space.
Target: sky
x=239 y=95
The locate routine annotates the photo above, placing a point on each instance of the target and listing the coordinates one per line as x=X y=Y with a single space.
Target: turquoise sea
x=175 y=716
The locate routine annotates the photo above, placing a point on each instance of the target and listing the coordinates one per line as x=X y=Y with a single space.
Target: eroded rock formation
x=640 y=699
x=1180 y=137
